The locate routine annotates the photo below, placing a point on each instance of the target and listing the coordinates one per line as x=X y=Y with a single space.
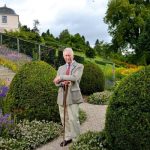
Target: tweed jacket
x=74 y=95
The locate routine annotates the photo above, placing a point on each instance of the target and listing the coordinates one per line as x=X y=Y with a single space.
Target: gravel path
x=95 y=122
x=95 y=117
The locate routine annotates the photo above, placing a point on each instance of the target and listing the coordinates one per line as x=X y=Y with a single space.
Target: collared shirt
x=67 y=65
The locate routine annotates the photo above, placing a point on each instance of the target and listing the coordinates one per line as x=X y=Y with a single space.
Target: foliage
x=82 y=116
x=128 y=115
x=99 y=98
x=6 y=125
x=144 y=44
x=60 y=60
x=27 y=42
x=65 y=37
x=78 y=42
x=126 y=20
x=32 y=93
x=119 y=63
x=49 y=55
x=35 y=26
x=3 y=90
x=49 y=39
x=90 y=141
x=93 y=79
x=122 y=72
x=100 y=62
x=28 y=135
x=79 y=59
x=8 y=63
x=90 y=52
x=102 y=49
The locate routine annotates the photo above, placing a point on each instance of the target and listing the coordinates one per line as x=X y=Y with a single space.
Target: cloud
x=78 y=16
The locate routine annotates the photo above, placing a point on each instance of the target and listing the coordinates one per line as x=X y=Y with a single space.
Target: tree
x=65 y=37
x=144 y=44
x=90 y=52
x=25 y=28
x=35 y=26
x=49 y=39
x=126 y=19
x=78 y=42
x=102 y=49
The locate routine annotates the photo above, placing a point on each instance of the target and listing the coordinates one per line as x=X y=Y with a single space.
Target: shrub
x=79 y=59
x=90 y=141
x=60 y=60
x=8 y=63
x=32 y=93
x=99 y=97
x=48 y=55
x=92 y=80
x=90 y=53
x=82 y=116
x=28 y=135
x=100 y=62
x=128 y=114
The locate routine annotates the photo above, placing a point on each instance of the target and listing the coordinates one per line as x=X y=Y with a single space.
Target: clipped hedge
x=93 y=79
x=79 y=59
x=128 y=114
x=32 y=93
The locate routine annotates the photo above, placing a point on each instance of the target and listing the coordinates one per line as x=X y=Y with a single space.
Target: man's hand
x=57 y=80
x=66 y=83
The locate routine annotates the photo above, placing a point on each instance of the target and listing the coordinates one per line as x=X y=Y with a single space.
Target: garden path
x=95 y=116
x=6 y=73
x=95 y=122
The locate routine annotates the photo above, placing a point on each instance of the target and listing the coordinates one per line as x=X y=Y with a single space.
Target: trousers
x=72 y=123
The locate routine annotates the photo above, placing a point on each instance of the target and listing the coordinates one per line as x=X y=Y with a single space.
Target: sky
x=78 y=16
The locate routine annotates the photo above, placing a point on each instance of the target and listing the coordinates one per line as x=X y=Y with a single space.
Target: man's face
x=68 y=57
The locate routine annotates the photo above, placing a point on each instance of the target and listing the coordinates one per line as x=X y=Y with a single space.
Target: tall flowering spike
x=3 y=91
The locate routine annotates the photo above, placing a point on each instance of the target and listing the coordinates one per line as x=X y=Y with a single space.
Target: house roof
x=6 y=10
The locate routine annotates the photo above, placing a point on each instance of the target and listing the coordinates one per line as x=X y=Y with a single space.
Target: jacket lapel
x=73 y=66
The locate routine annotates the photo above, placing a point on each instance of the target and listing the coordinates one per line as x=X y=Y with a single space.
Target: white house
x=9 y=20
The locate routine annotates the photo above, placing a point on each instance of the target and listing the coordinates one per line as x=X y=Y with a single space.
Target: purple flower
x=4 y=119
x=3 y=91
x=6 y=124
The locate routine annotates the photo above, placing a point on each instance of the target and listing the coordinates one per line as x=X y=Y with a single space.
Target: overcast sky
x=78 y=16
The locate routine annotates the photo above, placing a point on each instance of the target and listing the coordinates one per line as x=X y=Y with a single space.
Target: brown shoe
x=65 y=142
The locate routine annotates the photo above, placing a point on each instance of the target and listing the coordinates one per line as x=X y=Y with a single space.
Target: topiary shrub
x=93 y=79
x=32 y=93
x=128 y=114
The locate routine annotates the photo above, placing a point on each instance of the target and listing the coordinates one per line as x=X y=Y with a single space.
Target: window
x=4 y=19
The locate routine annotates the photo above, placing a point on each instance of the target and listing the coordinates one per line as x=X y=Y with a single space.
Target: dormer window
x=4 y=19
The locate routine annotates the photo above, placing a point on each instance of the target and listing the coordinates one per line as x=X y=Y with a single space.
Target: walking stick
x=64 y=102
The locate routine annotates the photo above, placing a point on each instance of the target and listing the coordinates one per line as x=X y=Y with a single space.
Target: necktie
x=68 y=70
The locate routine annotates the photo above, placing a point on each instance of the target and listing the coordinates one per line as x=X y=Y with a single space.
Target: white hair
x=68 y=49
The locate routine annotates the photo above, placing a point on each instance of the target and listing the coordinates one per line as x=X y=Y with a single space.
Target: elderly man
x=69 y=74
